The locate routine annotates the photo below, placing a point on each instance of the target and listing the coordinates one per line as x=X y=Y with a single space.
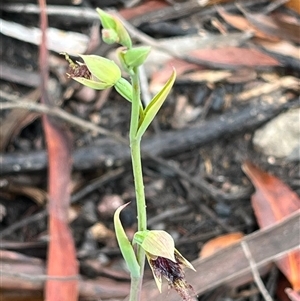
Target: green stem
x=135 y=146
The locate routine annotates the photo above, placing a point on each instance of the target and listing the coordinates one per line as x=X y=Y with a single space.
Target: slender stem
x=135 y=289
x=135 y=146
x=135 y=105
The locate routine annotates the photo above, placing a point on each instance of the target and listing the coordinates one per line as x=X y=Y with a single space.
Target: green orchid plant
x=101 y=73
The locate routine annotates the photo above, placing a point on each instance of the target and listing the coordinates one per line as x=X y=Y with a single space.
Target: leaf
x=220 y=242
x=243 y=24
x=139 y=11
x=62 y=260
x=125 y=245
x=235 y=56
x=283 y=48
x=155 y=104
x=159 y=77
x=272 y=25
x=272 y=202
x=289 y=26
x=294 y=5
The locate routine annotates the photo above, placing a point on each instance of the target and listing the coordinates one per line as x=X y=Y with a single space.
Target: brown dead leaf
x=222 y=57
x=289 y=26
x=160 y=77
x=61 y=253
x=235 y=56
x=145 y=7
x=243 y=24
x=272 y=202
x=273 y=25
x=284 y=48
x=294 y=5
x=37 y=195
x=215 y=244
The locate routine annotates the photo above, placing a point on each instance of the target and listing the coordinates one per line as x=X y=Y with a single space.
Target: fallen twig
x=255 y=272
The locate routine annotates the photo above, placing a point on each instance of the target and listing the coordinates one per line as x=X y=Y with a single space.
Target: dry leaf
x=243 y=24
x=141 y=9
x=61 y=252
x=37 y=195
x=273 y=25
x=215 y=244
x=273 y=201
x=235 y=56
x=294 y=5
x=289 y=26
x=160 y=77
x=283 y=48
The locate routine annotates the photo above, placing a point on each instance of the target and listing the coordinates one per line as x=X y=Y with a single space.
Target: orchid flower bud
x=134 y=57
x=113 y=30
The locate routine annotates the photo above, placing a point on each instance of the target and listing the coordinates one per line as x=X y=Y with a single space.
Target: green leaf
x=125 y=245
x=155 y=104
x=103 y=69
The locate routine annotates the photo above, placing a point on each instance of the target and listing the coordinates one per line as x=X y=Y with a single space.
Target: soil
x=174 y=203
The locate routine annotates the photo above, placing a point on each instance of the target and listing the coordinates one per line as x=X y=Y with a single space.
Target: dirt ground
x=193 y=153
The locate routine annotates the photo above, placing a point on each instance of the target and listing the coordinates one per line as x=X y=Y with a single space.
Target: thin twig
x=255 y=272
x=81 y=13
x=38 y=277
x=167 y=214
x=56 y=112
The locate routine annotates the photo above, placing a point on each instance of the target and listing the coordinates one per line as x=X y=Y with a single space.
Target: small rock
x=101 y=233
x=280 y=136
x=109 y=205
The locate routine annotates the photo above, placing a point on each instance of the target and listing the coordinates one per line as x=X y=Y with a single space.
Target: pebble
x=281 y=136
